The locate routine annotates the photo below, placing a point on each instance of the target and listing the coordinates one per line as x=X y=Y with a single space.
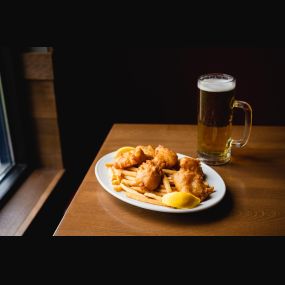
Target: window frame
x=16 y=106
x=6 y=148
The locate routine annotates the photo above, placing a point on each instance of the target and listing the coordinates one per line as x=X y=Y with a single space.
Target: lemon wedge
x=123 y=149
x=180 y=200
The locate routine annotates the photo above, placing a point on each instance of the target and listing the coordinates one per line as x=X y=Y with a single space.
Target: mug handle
x=247 y=123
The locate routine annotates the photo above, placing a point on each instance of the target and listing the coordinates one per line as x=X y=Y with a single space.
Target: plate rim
x=152 y=207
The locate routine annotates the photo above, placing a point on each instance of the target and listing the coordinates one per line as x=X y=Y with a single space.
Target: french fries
x=125 y=180
x=129 y=182
x=118 y=188
x=135 y=187
x=152 y=195
x=129 y=173
x=169 y=171
x=166 y=184
x=143 y=198
x=128 y=189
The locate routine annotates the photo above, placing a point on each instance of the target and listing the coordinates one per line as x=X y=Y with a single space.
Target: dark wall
x=164 y=80
x=97 y=87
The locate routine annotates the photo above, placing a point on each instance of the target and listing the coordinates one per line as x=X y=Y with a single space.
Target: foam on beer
x=216 y=85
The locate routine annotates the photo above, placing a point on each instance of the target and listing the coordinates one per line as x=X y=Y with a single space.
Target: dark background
x=98 y=87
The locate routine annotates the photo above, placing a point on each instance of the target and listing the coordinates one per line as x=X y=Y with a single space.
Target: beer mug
x=215 y=113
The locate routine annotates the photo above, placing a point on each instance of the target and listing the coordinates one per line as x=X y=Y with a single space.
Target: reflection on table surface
x=253 y=204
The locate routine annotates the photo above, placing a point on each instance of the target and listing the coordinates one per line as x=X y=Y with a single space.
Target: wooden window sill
x=18 y=213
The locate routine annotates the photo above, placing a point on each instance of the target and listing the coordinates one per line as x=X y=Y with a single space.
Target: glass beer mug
x=215 y=113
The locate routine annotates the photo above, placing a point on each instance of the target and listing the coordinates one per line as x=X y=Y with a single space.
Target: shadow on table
x=137 y=219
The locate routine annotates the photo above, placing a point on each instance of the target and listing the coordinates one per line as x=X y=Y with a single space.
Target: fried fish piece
x=183 y=180
x=148 y=151
x=191 y=164
x=165 y=157
x=149 y=175
x=201 y=189
x=189 y=182
x=130 y=158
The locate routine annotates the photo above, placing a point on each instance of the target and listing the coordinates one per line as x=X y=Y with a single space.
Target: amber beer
x=215 y=114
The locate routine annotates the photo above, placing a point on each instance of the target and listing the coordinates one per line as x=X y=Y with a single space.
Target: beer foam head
x=216 y=83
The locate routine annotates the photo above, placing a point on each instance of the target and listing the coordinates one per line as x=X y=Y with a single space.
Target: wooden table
x=254 y=203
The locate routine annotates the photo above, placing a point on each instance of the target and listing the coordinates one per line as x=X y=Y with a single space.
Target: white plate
x=212 y=177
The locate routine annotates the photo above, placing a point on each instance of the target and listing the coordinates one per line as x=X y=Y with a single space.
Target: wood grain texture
x=48 y=143
x=38 y=65
x=20 y=210
x=42 y=99
x=38 y=71
x=254 y=203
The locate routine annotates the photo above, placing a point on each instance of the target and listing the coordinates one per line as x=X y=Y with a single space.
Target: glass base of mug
x=213 y=159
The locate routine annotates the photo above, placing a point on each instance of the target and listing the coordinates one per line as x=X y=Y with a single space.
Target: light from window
x=6 y=151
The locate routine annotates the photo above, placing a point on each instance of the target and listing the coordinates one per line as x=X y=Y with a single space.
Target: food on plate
x=180 y=200
x=165 y=157
x=191 y=164
x=130 y=158
x=123 y=149
x=148 y=150
x=157 y=176
x=190 y=182
x=149 y=175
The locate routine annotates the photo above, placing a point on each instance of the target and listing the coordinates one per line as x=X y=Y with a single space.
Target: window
x=6 y=151
x=13 y=154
